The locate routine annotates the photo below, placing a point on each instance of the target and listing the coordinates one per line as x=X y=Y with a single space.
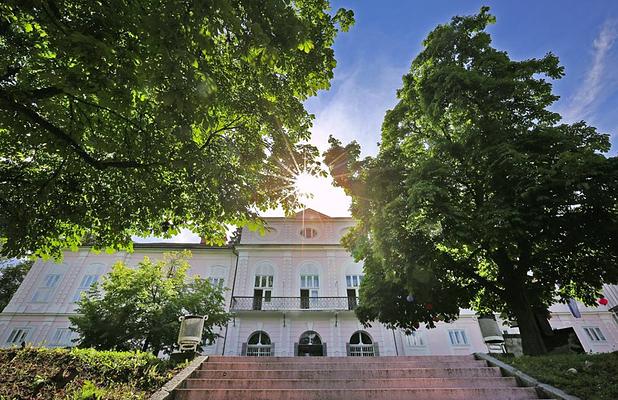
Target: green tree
x=142 y=117
x=479 y=196
x=139 y=308
x=12 y=274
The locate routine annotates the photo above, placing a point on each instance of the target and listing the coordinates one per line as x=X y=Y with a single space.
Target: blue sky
x=378 y=50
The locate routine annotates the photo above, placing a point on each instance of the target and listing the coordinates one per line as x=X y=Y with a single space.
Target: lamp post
x=190 y=334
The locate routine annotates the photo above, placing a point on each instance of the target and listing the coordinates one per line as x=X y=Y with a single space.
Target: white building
x=292 y=292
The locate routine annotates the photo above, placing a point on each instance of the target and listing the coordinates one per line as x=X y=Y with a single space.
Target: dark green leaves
x=140 y=118
x=479 y=195
x=139 y=308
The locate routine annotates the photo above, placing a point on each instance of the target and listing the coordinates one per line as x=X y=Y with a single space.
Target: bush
x=84 y=374
x=595 y=378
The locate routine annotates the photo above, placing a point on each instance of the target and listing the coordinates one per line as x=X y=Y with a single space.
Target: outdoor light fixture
x=190 y=334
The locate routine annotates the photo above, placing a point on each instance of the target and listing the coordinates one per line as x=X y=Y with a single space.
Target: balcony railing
x=241 y=303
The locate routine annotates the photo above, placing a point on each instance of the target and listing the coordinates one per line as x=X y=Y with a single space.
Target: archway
x=361 y=345
x=259 y=345
x=310 y=344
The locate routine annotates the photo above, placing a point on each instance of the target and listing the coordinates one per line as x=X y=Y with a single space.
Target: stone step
x=358 y=394
x=221 y=365
x=304 y=360
x=349 y=373
x=407 y=383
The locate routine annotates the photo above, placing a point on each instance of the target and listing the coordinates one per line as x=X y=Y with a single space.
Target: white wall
x=284 y=250
x=42 y=318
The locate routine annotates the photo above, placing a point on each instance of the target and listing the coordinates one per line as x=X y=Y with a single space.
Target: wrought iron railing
x=242 y=303
x=362 y=350
x=259 y=350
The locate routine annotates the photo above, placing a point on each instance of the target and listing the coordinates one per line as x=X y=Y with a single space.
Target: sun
x=307 y=185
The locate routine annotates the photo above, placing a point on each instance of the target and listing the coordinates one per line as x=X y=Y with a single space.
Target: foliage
x=139 y=308
x=479 y=197
x=80 y=374
x=143 y=117
x=12 y=273
x=595 y=378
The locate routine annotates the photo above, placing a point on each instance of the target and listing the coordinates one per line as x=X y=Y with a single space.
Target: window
x=415 y=339
x=595 y=334
x=310 y=344
x=309 y=290
x=309 y=281
x=263 y=281
x=84 y=286
x=44 y=293
x=353 y=281
x=18 y=335
x=262 y=291
x=361 y=345
x=458 y=337
x=62 y=337
x=308 y=233
x=259 y=345
x=216 y=281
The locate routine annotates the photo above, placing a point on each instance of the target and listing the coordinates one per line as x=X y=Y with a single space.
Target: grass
x=80 y=374
x=596 y=377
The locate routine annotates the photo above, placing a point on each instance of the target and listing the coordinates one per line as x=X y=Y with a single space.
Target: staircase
x=354 y=378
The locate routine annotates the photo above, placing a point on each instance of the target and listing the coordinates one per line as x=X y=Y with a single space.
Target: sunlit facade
x=292 y=291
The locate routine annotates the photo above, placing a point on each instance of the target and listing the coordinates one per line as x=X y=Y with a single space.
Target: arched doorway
x=361 y=345
x=258 y=345
x=310 y=344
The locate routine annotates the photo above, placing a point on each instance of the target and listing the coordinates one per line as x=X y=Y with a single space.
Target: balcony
x=241 y=303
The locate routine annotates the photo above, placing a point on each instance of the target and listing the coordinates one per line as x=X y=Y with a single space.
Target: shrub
x=80 y=374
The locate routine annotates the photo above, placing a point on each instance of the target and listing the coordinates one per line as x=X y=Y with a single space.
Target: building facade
x=292 y=291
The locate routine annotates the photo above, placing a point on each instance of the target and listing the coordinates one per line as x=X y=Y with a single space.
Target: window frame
x=216 y=281
x=313 y=231
x=45 y=292
x=361 y=349
x=458 y=333
x=418 y=337
x=25 y=333
x=259 y=349
x=83 y=288
x=595 y=334
x=59 y=340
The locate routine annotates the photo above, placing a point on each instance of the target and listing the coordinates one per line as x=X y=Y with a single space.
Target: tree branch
x=225 y=128
x=9 y=104
x=461 y=267
x=10 y=72
x=42 y=93
x=109 y=110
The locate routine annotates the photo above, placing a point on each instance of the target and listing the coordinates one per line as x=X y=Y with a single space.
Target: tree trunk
x=146 y=344
x=529 y=329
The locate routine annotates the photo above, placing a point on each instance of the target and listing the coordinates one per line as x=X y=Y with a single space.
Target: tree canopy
x=138 y=309
x=120 y=118
x=12 y=274
x=479 y=196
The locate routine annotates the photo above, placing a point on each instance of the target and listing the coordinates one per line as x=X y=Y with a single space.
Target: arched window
x=361 y=345
x=310 y=344
x=308 y=233
x=310 y=338
x=259 y=345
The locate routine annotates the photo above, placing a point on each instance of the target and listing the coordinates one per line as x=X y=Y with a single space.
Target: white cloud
x=598 y=82
x=357 y=105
